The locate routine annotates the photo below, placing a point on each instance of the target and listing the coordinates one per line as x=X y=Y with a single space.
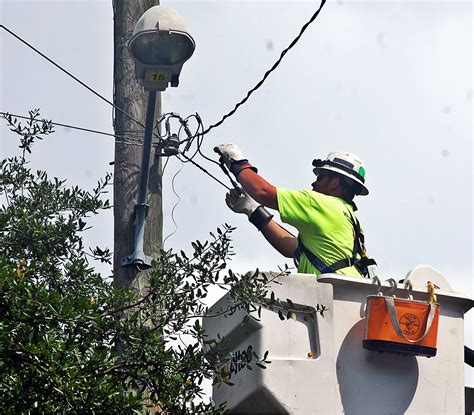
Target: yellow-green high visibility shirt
x=324 y=225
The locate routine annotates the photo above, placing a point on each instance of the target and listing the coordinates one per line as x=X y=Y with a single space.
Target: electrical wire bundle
x=169 y=142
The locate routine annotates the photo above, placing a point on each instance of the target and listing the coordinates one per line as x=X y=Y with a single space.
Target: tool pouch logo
x=409 y=324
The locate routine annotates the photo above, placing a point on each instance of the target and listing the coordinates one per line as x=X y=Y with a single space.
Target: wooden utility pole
x=130 y=97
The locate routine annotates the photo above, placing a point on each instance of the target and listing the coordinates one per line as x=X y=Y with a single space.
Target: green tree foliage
x=71 y=341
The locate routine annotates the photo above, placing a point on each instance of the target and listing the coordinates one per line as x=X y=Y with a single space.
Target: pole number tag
x=157 y=77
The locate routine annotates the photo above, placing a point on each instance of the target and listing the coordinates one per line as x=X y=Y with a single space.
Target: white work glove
x=240 y=202
x=233 y=158
x=229 y=153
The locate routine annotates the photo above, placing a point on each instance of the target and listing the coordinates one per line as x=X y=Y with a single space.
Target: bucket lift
x=318 y=364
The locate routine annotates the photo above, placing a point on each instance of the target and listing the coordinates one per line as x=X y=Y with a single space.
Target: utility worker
x=330 y=238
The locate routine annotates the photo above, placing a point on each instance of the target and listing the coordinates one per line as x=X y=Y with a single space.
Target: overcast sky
x=389 y=81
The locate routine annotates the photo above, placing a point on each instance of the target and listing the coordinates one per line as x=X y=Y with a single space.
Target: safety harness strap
x=316 y=261
x=320 y=265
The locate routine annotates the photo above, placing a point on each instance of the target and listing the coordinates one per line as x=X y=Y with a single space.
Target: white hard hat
x=344 y=163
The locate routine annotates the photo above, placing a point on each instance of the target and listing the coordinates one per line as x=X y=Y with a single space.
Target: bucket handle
x=393 y=287
x=390 y=303
x=376 y=281
x=407 y=285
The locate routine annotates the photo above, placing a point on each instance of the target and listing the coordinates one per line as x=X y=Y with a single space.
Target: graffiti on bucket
x=236 y=364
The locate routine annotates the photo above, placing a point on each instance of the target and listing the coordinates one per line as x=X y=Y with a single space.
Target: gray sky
x=389 y=81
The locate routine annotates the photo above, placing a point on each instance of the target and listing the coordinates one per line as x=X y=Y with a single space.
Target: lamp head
x=159 y=46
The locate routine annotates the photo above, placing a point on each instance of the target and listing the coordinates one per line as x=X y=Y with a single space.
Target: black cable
x=175 y=205
x=72 y=76
x=61 y=125
x=205 y=171
x=132 y=140
x=275 y=65
x=205 y=131
x=199 y=144
x=196 y=134
x=164 y=166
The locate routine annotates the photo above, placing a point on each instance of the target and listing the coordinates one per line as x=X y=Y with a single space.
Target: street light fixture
x=159 y=46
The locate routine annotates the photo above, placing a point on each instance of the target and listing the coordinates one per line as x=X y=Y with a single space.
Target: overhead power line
x=204 y=170
x=265 y=76
x=71 y=75
x=88 y=130
x=73 y=127
x=229 y=114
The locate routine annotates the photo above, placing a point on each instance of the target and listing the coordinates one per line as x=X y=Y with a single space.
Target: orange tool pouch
x=401 y=326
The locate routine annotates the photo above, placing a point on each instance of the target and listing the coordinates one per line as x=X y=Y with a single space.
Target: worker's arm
x=246 y=174
x=257 y=194
x=282 y=240
x=258 y=188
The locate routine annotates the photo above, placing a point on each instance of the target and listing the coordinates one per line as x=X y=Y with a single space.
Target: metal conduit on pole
x=138 y=256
